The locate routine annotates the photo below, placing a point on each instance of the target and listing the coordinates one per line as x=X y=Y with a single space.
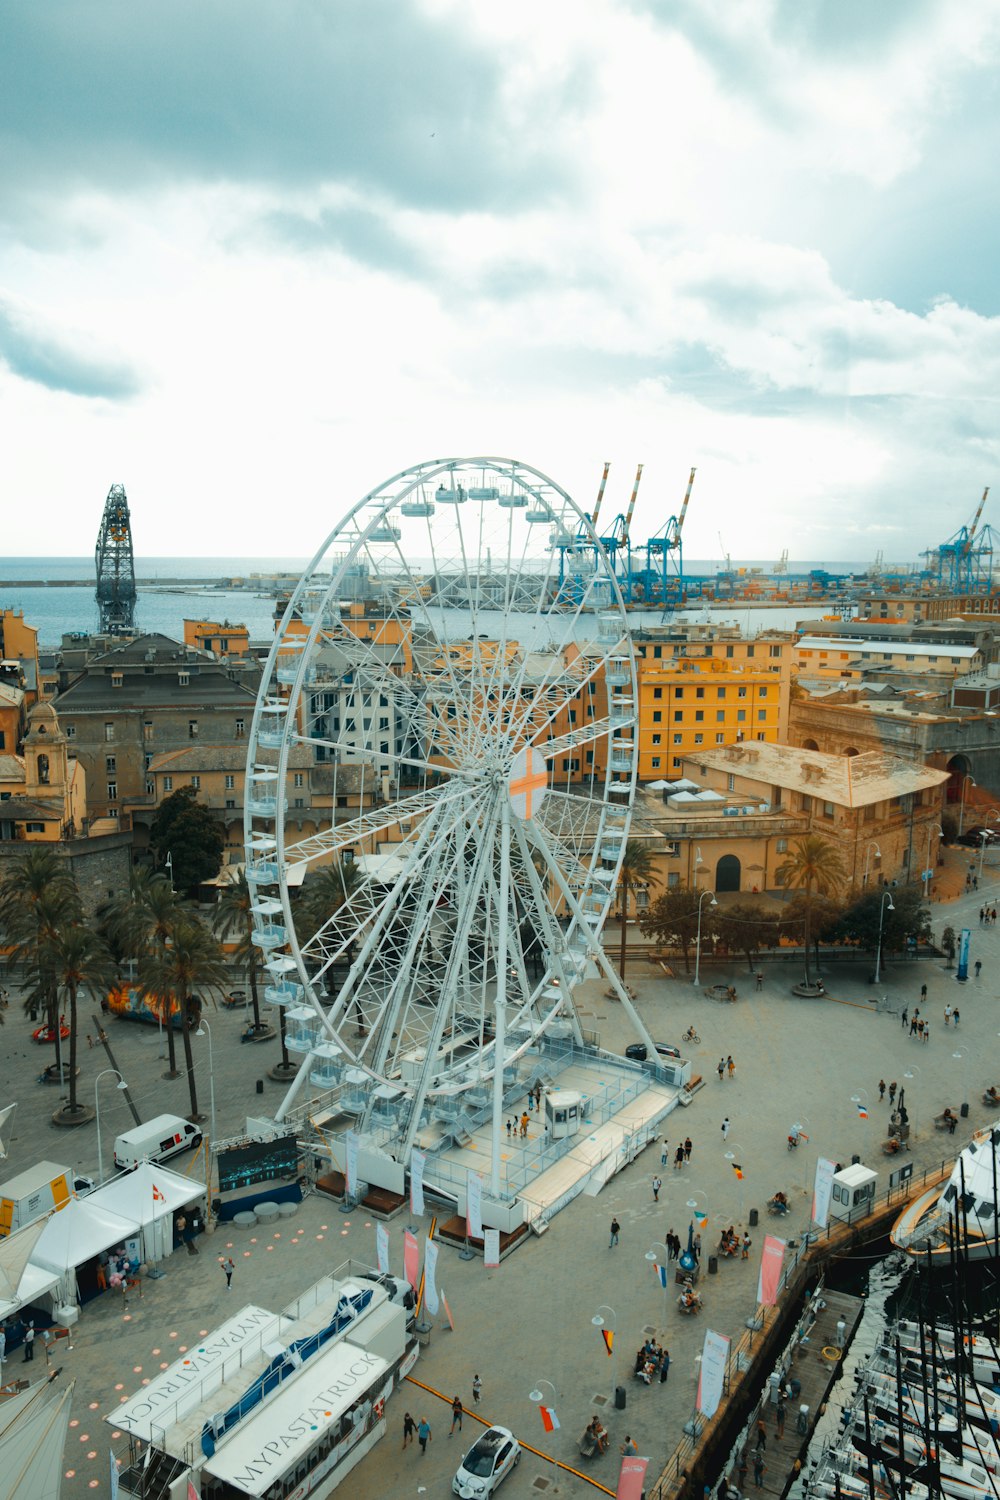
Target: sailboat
x=924 y=1228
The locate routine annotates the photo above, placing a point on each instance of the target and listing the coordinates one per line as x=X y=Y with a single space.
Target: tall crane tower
x=115 y=565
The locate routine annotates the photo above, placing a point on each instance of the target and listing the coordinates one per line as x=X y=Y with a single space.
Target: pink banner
x=770 y=1270
x=632 y=1479
x=411 y=1258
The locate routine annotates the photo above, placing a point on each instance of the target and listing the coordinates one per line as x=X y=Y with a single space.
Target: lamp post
x=697 y=947
x=911 y=1074
x=868 y=853
x=609 y=1322
x=168 y=865
x=653 y=1256
x=961 y=1056
x=886 y=898
x=205 y=1030
x=961 y=807
x=688 y=1261
x=97 y=1111
x=927 y=861
x=538 y=1395
x=734 y=1156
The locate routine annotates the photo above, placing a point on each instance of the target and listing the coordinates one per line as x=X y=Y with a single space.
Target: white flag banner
x=474 y=1215
x=430 y=1271
x=491 y=1247
x=353 y=1142
x=382 y=1247
x=713 y=1371
x=418 y=1161
x=822 y=1191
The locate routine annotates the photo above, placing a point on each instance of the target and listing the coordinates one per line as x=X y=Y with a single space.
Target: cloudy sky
x=257 y=255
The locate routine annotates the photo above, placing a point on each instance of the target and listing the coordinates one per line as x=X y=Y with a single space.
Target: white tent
x=147 y=1194
x=21 y=1282
x=77 y=1233
x=33 y=1427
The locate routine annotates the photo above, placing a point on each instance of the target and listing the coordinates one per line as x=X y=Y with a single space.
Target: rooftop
x=847 y=780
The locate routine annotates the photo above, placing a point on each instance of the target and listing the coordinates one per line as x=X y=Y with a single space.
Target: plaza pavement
x=529 y=1320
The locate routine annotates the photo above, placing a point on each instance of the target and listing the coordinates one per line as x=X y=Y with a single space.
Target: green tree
x=76 y=957
x=234 y=915
x=37 y=896
x=188 y=833
x=673 y=919
x=949 y=946
x=634 y=875
x=746 y=929
x=907 y=917
x=814 y=867
x=141 y=923
x=191 y=961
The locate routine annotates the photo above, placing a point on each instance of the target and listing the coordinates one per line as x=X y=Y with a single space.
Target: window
x=678 y=716
x=298 y=779
x=117 y=679
x=168 y=783
x=741 y=715
x=781 y=846
x=762 y=716
x=828 y=809
x=762 y=692
x=70 y=731
x=699 y=739
x=657 y=692
x=673 y=849
x=657 y=716
x=147 y=729
x=699 y=716
x=657 y=738
x=678 y=739
x=730 y=783
x=750 y=652
x=109 y=732
x=150 y=788
x=239 y=729
x=673 y=877
x=34 y=827
x=678 y=692
x=699 y=692
x=183 y=679
x=741 y=692
x=230 y=804
x=720 y=716
x=299 y=802
x=677 y=763
x=729 y=652
x=657 y=652
x=112 y=791
x=196 y=783
x=655 y=763
x=147 y=761
x=805 y=803
x=192 y=729
x=230 y=783
x=720 y=692
x=762 y=736
x=111 y=764
x=775 y=651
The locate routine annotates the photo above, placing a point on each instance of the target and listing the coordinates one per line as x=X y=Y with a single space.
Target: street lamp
x=927 y=861
x=886 y=897
x=538 y=1397
x=203 y=1030
x=697 y=947
x=168 y=865
x=122 y=1085
x=734 y=1156
x=654 y=1259
x=961 y=808
x=868 y=852
x=961 y=1055
x=610 y=1323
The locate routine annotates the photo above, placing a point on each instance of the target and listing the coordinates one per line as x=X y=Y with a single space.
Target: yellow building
x=43 y=794
x=221 y=639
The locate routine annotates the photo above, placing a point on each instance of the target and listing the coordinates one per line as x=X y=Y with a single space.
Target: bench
x=946 y=1122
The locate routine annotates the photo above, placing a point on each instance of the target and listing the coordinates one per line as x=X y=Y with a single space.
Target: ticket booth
x=853 y=1194
x=563 y=1113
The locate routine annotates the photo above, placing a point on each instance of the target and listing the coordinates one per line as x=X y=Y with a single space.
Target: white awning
x=146 y=1194
x=77 y=1233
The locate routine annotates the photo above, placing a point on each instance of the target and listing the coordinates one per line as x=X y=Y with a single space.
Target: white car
x=487 y=1464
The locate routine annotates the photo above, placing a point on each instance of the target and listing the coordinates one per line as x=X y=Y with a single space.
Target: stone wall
x=101 y=865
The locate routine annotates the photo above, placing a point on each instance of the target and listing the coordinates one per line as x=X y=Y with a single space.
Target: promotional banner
x=447 y=1311
x=662 y=1274
x=474 y=1215
x=822 y=1190
x=632 y=1478
x=430 y=1286
x=417 y=1163
x=491 y=1247
x=713 y=1369
x=608 y=1335
x=353 y=1142
x=382 y=1247
x=411 y=1258
x=549 y=1419
x=963 y=954
x=770 y=1270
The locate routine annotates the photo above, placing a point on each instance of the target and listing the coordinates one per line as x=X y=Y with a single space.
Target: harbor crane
x=115 y=565
x=964 y=563
x=662 y=581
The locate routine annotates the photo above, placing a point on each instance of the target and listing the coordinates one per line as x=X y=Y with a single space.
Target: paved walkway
x=530 y=1320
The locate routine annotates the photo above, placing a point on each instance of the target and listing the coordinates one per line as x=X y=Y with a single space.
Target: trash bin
x=619 y=1398
x=260 y=1085
x=964 y=1111
x=754 y=1218
x=713 y=1265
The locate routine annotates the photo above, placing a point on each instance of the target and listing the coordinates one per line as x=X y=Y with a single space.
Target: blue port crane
x=964 y=563
x=661 y=581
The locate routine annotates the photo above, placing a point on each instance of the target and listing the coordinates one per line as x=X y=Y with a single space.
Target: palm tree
x=76 y=958
x=635 y=874
x=234 y=914
x=142 y=922
x=813 y=865
x=191 y=960
x=36 y=898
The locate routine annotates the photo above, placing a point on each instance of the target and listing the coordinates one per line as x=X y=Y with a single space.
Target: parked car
x=48 y=1033
x=972 y=838
x=487 y=1464
x=638 y=1053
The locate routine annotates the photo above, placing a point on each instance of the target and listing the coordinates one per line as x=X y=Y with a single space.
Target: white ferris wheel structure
x=455 y=670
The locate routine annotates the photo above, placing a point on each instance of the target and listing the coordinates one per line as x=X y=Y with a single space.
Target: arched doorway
x=727 y=873
x=809 y=745
x=851 y=750
x=958 y=769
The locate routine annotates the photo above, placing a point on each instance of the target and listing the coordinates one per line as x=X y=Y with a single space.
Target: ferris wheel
x=445 y=740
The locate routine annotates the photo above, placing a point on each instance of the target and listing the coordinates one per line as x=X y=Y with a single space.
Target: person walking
x=923 y=993
x=616 y=1229
x=663 y=1152
x=906 y=1017
x=29 y=1343
x=730 y=1066
x=881 y=1090
x=978 y=965
x=956 y=1016
x=524 y=1125
x=477 y=1389
x=688 y=1148
x=758 y=1468
x=779 y=1417
x=664 y=1366
x=696 y=1247
x=947 y=1014
x=722 y=1068
x=892 y=1092
x=759 y=978
x=761 y=1433
x=927 y=1032
x=725 y=1128
x=678 y=1158
x=409 y=1429
x=228 y=1267
x=673 y=1245
x=914 y=1022
x=457 y=1413
x=747 y=1242
x=424 y=1434
x=657 y=1184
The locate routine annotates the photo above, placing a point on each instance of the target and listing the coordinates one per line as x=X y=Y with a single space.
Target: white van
x=157 y=1140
